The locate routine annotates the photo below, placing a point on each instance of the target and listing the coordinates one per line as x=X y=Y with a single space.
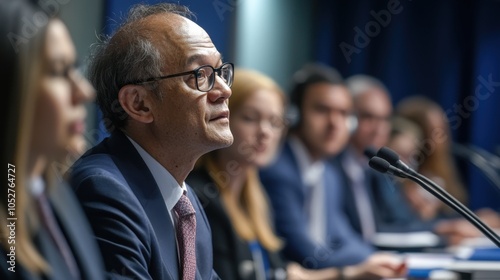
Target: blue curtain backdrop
x=448 y=51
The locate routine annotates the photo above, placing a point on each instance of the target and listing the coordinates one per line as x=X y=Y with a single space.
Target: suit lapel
x=378 y=195
x=77 y=232
x=142 y=183
x=52 y=255
x=292 y=159
x=348 y=199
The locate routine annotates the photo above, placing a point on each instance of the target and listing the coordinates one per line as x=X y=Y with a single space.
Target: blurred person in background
x=307 y=204
x=372 y=202
x=405 y=139
x=434 y=159
x=43 y=123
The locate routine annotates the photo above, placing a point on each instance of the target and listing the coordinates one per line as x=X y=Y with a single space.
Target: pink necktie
x=186 y=236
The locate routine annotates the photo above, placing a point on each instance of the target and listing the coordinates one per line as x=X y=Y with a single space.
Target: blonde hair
x=249 y=213
x=30 y=65
x=246 y=83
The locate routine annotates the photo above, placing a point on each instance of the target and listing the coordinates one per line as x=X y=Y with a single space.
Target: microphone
x=370 y=152
x=384 y=166
x=393 y=158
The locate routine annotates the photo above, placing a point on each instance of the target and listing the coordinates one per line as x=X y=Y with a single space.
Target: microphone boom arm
x=449 y=200
x=388 y=161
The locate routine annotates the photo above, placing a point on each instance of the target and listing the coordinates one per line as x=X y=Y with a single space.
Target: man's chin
x=226 y=140
x=332 y=151
x=222 y=140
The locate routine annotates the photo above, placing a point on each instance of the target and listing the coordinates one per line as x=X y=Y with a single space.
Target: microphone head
x=370 y=152
x=379 y=164
x=391 y=156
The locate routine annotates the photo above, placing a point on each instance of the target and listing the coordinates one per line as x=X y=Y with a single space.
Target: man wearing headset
x=307 y=206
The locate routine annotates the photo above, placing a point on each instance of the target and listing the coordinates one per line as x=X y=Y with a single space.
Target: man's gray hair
x=126 y=56
x=360 y=83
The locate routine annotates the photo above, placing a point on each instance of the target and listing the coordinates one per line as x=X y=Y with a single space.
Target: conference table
x=427 y=258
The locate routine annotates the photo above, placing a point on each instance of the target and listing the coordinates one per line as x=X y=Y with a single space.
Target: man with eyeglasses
x=372 y=202
x=163 y=90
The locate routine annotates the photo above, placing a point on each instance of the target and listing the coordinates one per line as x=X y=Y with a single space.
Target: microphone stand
x=488 y=164
x=383 y=166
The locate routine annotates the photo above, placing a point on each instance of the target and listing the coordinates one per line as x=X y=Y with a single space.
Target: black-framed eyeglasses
x=204 y=75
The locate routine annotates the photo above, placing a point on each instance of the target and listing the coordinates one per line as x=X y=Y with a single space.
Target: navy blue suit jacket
x=129 y=216
x=390 y=209
x=284 y=185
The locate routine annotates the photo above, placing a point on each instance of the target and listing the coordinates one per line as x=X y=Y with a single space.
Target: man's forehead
x=187 y=39
x=173 y=27
x=325 y=88
x=333 y=93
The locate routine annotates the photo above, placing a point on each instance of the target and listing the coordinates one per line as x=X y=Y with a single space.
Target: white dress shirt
x=170 y=190
x=312 y=176
x=356 y=168
x=36 y=186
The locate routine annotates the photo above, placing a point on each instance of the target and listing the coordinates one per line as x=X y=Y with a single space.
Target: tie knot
x=184 y=206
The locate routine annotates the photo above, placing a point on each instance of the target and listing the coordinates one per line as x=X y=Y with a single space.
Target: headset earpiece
x=292 y=115
x=352 y=123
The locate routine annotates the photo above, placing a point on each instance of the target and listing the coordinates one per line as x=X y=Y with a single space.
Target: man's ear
x=136 y=101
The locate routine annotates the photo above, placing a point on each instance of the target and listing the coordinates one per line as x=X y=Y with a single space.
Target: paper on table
x=405 y=239
x=474 y=266
x=428 y=261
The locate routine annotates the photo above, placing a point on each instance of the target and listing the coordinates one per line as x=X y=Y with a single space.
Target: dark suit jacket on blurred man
x=386 y=207
x=289 y=197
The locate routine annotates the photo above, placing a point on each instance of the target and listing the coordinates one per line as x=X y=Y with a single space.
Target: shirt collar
x=170 y=190
x=311 y=171
x=355 y=166
x=36 y=186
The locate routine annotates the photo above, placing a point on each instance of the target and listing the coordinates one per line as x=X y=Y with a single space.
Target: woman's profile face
x=60 y=114
x=257 y=127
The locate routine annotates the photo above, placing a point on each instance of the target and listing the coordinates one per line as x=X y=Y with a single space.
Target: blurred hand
x=490 y=217
x=456 y=230
x=427 y=207
x=377 y=266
